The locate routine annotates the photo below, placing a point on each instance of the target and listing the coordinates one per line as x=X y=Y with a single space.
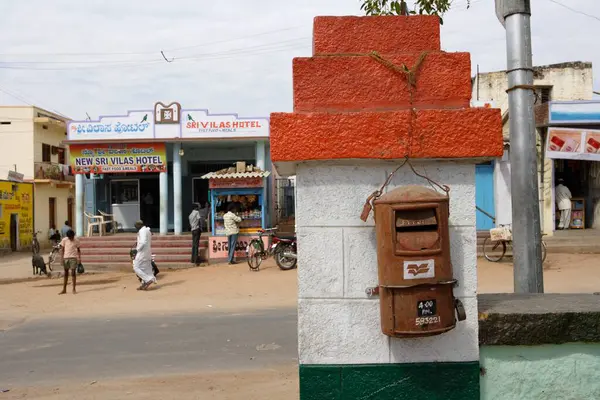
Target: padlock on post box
x=415 y=271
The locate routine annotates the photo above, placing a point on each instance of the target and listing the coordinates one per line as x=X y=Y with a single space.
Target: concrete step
x=124 y=258
x=125 y=250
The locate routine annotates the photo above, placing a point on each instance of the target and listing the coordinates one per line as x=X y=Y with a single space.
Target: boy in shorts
x=71 y=256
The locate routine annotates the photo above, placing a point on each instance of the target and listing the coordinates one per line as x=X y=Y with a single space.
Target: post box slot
x=417 y=230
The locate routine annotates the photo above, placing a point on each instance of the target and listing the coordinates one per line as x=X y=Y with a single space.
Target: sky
x=103 y=57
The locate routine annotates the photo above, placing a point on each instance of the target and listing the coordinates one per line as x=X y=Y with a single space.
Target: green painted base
x=424 y=381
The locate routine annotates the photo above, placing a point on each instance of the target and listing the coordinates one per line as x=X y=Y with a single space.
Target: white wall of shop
x=337 y=322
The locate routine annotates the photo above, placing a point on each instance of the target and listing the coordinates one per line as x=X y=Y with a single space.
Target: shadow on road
x=82 y=283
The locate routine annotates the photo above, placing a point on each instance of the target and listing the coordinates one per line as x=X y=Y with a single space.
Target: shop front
x=16 y=215
x=573 y=145
x=149 y=164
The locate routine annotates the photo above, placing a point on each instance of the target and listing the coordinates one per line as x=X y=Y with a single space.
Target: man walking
x=71 y=256
x=142 y=263
x=195 y=226
x=232 y=230
x=563 y=201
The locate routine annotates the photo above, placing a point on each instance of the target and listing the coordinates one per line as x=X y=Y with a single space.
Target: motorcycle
x=285 y=250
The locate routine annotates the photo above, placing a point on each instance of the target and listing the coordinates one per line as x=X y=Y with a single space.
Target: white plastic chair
x=110 y=219
x=92 y=221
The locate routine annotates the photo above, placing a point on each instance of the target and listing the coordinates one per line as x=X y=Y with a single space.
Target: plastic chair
x=110 y=219
x=92 y=221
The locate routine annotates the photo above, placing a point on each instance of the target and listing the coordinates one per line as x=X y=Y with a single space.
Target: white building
x=567 y=81
x=31 y=142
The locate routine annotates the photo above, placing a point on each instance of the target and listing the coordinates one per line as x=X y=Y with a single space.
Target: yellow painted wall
x=43 y=192
x=16 y=202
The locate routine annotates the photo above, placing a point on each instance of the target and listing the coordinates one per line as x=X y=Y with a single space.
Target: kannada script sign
x=118 y=158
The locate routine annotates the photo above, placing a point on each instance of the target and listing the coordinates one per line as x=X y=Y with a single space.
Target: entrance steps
x=111 y=253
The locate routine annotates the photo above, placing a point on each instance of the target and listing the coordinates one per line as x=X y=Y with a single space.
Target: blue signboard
x=574 y=112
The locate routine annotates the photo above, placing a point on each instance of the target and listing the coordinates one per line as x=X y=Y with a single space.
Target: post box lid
x=411 y=194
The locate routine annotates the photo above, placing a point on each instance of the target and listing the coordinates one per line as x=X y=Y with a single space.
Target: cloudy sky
x=103 y=57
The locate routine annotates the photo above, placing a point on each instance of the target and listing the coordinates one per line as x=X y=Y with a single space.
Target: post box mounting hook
x=377 y=194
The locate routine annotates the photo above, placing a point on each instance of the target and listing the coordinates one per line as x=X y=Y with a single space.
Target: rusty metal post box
x=415 y=271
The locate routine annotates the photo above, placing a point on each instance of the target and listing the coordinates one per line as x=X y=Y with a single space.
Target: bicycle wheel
x=254 y=253
x=494 y=250
x=544 y=251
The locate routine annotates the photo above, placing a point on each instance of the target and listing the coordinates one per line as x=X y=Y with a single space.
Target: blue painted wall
x=484 y=195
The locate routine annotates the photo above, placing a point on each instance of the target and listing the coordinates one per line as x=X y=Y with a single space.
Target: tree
x=400 y=7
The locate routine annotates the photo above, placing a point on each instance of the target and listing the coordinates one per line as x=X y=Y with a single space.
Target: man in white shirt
x=232 y=230
x=142 y=263
x=563 y=201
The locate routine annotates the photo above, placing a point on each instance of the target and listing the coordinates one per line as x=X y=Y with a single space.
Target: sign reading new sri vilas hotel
x=118 y=158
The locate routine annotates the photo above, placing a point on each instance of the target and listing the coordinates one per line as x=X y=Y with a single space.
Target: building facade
x=570 y=81
x=33 y=146
x=149 y=164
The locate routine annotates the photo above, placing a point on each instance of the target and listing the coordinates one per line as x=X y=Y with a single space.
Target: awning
x=238 y=175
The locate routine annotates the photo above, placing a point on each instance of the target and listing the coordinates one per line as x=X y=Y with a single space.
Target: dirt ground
x=213 y=288
x=231 y=288
x=281 y=384
x=217 y=289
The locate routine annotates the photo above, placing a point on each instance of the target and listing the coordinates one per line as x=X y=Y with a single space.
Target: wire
x=22 y=98
x=155 y=52
x=574 y=10
x=247 y=51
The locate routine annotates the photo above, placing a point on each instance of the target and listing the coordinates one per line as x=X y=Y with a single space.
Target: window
x=5 y=122
x=52 y=212
x=46 y=152
x=61 y=155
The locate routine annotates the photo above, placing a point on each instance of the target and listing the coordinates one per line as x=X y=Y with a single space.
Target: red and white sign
x=199 y=124
x=218 y=248
x=225 y=183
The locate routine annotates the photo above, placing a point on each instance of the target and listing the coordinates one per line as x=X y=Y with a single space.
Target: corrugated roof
x=214 y=175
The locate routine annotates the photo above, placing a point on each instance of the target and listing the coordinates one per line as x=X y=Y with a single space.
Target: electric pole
x=528 y=273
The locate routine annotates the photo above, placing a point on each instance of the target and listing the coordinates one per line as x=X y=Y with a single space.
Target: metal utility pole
x=528 y=274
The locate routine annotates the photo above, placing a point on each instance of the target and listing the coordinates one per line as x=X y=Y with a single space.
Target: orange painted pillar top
x=353 y=99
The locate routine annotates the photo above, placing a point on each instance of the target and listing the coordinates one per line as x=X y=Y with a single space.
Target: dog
x=38 y=264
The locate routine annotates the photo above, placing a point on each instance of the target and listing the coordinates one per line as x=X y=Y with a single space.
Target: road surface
x=50 y=351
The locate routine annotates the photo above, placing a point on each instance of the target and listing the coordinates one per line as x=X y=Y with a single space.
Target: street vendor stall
x=243 y=186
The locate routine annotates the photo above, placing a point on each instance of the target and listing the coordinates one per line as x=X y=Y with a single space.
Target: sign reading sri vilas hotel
x=115 y=158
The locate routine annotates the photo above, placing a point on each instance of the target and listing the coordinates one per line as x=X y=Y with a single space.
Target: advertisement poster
x=219 y=249
x=16 y=203
x=118 y=158
x=573 y=144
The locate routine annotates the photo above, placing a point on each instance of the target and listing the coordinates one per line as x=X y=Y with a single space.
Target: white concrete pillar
x=163 y=202
x=177 y=189
x=79 y=188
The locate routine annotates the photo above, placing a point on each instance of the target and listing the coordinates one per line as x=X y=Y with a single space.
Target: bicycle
x=494 y=249
x=256 y=252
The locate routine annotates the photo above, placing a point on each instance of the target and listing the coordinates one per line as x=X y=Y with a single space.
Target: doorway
x=14 y=231
x=484 y=195
x=52 y=212
x=70 y=211
x=150 y=200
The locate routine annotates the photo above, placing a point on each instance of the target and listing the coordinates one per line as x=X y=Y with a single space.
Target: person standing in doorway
x=142 y=263
x=66 y=228
x=71 y=256
x=232 y=230
x=195 y=226
x=563 y=201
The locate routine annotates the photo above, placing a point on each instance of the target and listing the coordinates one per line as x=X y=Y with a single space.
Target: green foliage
x=400 y=7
